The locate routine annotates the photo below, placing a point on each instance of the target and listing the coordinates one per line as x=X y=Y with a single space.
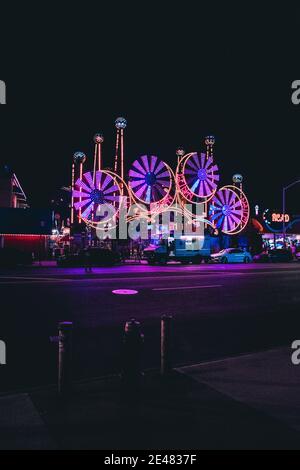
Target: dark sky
x=176 y=75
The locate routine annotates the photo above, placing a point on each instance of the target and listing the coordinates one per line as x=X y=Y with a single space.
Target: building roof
x=25 y=221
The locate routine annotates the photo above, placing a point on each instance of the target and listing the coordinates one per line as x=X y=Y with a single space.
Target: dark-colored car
x=12 y=257
x=280 y=256
x=93 y=257
x=261 y=257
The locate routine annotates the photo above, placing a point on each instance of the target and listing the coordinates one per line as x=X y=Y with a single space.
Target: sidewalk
x=246 y=402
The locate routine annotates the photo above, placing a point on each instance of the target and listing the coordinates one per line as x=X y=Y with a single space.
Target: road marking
x=125 y=292
x=187 y=287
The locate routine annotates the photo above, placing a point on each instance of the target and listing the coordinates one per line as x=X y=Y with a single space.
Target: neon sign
x=279 y=217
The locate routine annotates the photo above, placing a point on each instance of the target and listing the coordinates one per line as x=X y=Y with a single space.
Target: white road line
x=187 y=287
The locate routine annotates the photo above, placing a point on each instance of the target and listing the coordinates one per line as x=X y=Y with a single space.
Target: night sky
x=175 y=75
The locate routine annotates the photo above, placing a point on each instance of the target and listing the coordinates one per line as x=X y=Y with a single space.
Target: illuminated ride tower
x=98 y=141
x=120 y=124
x=79 y=158
x=197 y=178
x=97 y=188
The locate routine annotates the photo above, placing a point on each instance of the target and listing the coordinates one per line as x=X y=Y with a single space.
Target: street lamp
x=283 y=207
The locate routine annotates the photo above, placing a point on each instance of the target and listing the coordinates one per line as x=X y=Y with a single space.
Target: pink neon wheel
x=200 y=175
x=93 y=191
x=227 y=210
x=150 y=180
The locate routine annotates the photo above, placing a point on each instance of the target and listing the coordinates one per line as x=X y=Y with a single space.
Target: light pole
x=283 y=208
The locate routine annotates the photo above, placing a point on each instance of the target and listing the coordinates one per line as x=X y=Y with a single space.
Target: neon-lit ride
x=150 y=180
x=200 y=175
x=153 y=188
x=95 y=190
x=226 y=210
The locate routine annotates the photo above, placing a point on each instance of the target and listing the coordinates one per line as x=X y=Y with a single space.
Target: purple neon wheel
x=95 y=190
x=226 y=210
x=201 y=175
x=149 y=179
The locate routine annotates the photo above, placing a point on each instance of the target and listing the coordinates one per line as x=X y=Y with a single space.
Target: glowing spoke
x=98 y=179
x=111 y=189
x=208 y=163
x=202 y=160
x=106 y=182
x=221 y=196
x=237 y=212
x=163 y=181
x=82 y=185
x=80 y=194
x=159 y=189
x=141 y=190
x=134 y=184
x=200 y=192
x=196 y=160
x=216 y=216
x=207 y=187
x=213 y=168
x=194 y=187
x=164 y=174
x=80 y=204
x=237 y=220
x=159 y=167
x=153 y=162
x=89 y=179
x=145 y=162
x=137 y=165
x=191 y=164
x=148 y=194
x=227 y=196
x=236 y=204
x=230 y=223
x=220 y=222
x=87 y=211
x=112 y=198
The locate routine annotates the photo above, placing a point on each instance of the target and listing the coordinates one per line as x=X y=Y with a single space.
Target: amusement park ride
x=153 y=187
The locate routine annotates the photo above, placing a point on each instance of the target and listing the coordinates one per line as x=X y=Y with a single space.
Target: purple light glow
x=201 y=175
x=95 y=190
x=226 y=210
x=150 y=179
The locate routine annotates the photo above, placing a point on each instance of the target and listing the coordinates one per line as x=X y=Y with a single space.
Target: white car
x=232 y=255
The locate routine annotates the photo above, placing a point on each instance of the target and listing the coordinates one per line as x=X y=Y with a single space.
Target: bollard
x=132 y=353
x=64 y=357
x=165 y=345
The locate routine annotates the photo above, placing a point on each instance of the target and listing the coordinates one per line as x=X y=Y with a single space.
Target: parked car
x=12 y=257
x=280 y=256
x=232 y=255
x=97 y=257
x=261 y=257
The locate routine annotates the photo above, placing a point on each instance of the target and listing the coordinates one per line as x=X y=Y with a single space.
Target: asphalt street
x=218 y=310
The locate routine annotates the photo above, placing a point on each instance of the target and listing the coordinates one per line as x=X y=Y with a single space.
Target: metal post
x=64 y=357
x=132 y=353
x=165 y=345
x=283 y=215
x=72 y=197
x=284 y=208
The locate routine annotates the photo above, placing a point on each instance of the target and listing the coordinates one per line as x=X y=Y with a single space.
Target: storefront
x=275 y=224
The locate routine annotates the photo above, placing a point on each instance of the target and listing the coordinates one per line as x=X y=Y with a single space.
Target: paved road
x=218 y=311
